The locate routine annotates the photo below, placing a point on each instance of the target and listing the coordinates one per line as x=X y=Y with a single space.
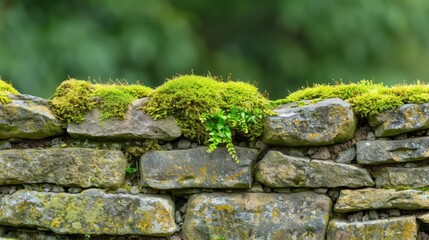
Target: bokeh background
x=281 y=44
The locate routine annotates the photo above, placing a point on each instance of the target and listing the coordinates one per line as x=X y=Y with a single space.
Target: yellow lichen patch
x=5 y=89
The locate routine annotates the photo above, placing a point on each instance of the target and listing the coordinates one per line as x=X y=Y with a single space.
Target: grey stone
x=401 y=228
x=396 y=151
x=267 y=189
x=134 y=190
x=256 y=188
x=326 y=122
x=383 y=215
x=4 y=189
x=67 y=167
x=373 y=215
x=334 y=193
x=322 y=153
x=282 y=190
x=136 y=125
x=90 y=212
x=407 y=118
x=194 y=145
x=370 y=136
x=122 y=190
x=257 y=215
x=57 y=189
x=196 y=168
x=183 y=144
x=320 y=190
x=355 y=217
x=12 y=189
x=391 y=177
x=346 y=156
x=28 y=117
x=75 y=190
x=168 y=146
x=394 y=212
x=373 y=198
x=279 y=170
x=5 y=145
x=178 y=217
x=183 y=208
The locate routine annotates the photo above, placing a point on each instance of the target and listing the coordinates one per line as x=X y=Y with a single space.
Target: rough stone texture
x=273 y=216
x=372 y=198
x=90 y=212
x=423 y=217
x=63 y=166
x=396 y=151
x=28 y=117
x=136 y=125
x=196 y=168
x=407 y=118
x=327 y=122
x=403 y=177
x=279 y=170
x=400 y=228
x=346 y=156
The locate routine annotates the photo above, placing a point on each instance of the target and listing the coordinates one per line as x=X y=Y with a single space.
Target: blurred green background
x=281 y=44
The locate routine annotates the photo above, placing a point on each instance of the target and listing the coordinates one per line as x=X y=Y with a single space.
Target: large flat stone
x=323 y=123
x=196 y=168
x=400 y=228
x=82 y=167
x=28 y=117
x=279 y=170
x=372 y=198
x=395 y=151
x=136 y=125
x=273 y=216
x=90 y=212
x=391 y=177
x=407 y=118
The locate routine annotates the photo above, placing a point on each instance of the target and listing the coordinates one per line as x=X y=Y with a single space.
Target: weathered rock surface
x=396 y=151
x=273 y=216
x=82 y=167
x=28 y=117
x=90 y=212
x=279 y=170
x=372 y=198
x=136 y=125
x=403 y=177
x=323 y=123
x=400 y=228
x=196 y=168
x=407 y=118
x=346 y=156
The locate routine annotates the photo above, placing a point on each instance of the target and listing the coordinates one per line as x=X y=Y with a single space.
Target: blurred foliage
x=281 y=45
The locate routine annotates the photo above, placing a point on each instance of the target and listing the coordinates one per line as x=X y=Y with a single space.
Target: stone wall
x=318 y=172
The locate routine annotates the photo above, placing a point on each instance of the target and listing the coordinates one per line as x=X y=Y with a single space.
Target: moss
x=74 y=98
x=5 y=89
x=191 y=99
x=366 y=97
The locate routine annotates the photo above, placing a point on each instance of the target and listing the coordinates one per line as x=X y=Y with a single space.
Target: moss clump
x=366 y=97
x=5 y=89
x=74 y=98
x=192 y=99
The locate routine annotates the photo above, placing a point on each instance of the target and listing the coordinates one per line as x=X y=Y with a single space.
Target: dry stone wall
x=318 y=172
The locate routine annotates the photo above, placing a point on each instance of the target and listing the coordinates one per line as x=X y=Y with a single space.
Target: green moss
x=74 y=98
x=5 y=89
x=191 y=99
x=366 y=97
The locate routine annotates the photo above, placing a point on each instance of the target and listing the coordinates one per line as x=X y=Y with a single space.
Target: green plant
x=74 y=98
x=130 y=169
x=222 y=125
x=366 y=97
x=209 y=110
x=5 y=89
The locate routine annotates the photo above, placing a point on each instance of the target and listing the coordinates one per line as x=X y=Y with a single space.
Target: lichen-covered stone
x=391 y=177
x=28 y=117
x=196 y=168
x=82 y=167
x=279 y=170
x=91 y=212
x=399 y=228
x=372 y=198
x=323 y=123
x=407 y=118
x=395 y=151
x=136 y=125
x=273 y=216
